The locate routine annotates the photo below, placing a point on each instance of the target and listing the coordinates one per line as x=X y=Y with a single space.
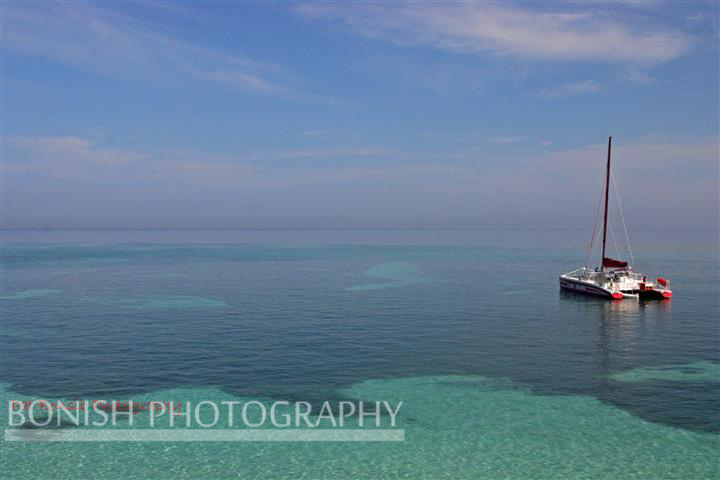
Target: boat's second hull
x=587 y=288
x=654 y=294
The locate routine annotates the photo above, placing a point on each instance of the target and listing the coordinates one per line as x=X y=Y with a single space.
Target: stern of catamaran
x=637 y=285
x=660 y=289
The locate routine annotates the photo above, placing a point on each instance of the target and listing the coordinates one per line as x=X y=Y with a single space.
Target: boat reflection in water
x=640 y=306
x=622 y=326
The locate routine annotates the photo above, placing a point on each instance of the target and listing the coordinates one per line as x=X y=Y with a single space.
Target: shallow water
x=500 y=374
x=393 y=274
x=456 y=426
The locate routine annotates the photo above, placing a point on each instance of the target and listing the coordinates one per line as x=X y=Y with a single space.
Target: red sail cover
x=611 y=262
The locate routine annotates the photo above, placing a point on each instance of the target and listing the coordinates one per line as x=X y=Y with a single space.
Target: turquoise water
x=392 y=274
x=500 y=374
x=456 y=427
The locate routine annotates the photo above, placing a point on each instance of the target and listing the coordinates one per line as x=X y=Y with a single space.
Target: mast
x=607 y=189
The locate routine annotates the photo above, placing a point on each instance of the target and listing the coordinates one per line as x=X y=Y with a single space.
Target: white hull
x=614 y=284
x=588 y=287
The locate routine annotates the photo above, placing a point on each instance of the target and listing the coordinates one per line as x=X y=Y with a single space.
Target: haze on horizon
x=357 y=115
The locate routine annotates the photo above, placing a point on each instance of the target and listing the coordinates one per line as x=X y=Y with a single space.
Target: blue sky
x=491 y=114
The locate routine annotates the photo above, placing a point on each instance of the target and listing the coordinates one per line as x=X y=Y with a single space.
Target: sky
x=388 y=114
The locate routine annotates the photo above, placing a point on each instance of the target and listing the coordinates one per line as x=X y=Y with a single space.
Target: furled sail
x=611 y=262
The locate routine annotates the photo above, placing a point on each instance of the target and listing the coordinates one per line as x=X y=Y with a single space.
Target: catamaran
x=613 y=279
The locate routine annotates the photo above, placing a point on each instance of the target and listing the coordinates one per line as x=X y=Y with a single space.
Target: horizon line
x=461 y=228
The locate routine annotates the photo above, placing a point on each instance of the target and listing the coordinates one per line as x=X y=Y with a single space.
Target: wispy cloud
x=637 y=75
x=99 y=39
x=326 y=153
x=66 y=152
x=314 y=133
x=571 y=89
x=142 y=185
x=69 y=151
x=698 y=17
x=242 y=80
x=506 y=140
x=485 y=27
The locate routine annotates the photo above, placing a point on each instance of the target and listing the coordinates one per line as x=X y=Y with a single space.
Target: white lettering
x=273 y=418
x=376 y=414
x=342 y=411
x=304 y=416
x=16 y=413
x=216 y=413
x=323 y=416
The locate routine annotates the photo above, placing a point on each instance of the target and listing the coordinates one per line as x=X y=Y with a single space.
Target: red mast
x=607 y=189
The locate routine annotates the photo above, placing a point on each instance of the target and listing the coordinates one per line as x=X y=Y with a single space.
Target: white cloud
x=571 y=89
x=63 y=154
x=698 y=17
x=101 y=40
x=637 y=75
x=506 y=140
x=243 y=80
x=58 y=153
x=485 y=27
x=314 y=133
x=545 y=143
x=326 y=153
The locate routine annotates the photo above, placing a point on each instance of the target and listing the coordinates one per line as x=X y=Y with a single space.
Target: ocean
x=500 y=373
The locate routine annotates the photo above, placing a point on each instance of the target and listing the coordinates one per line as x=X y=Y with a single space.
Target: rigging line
x=592 y=239
x=612 y=237
x=622 y=216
